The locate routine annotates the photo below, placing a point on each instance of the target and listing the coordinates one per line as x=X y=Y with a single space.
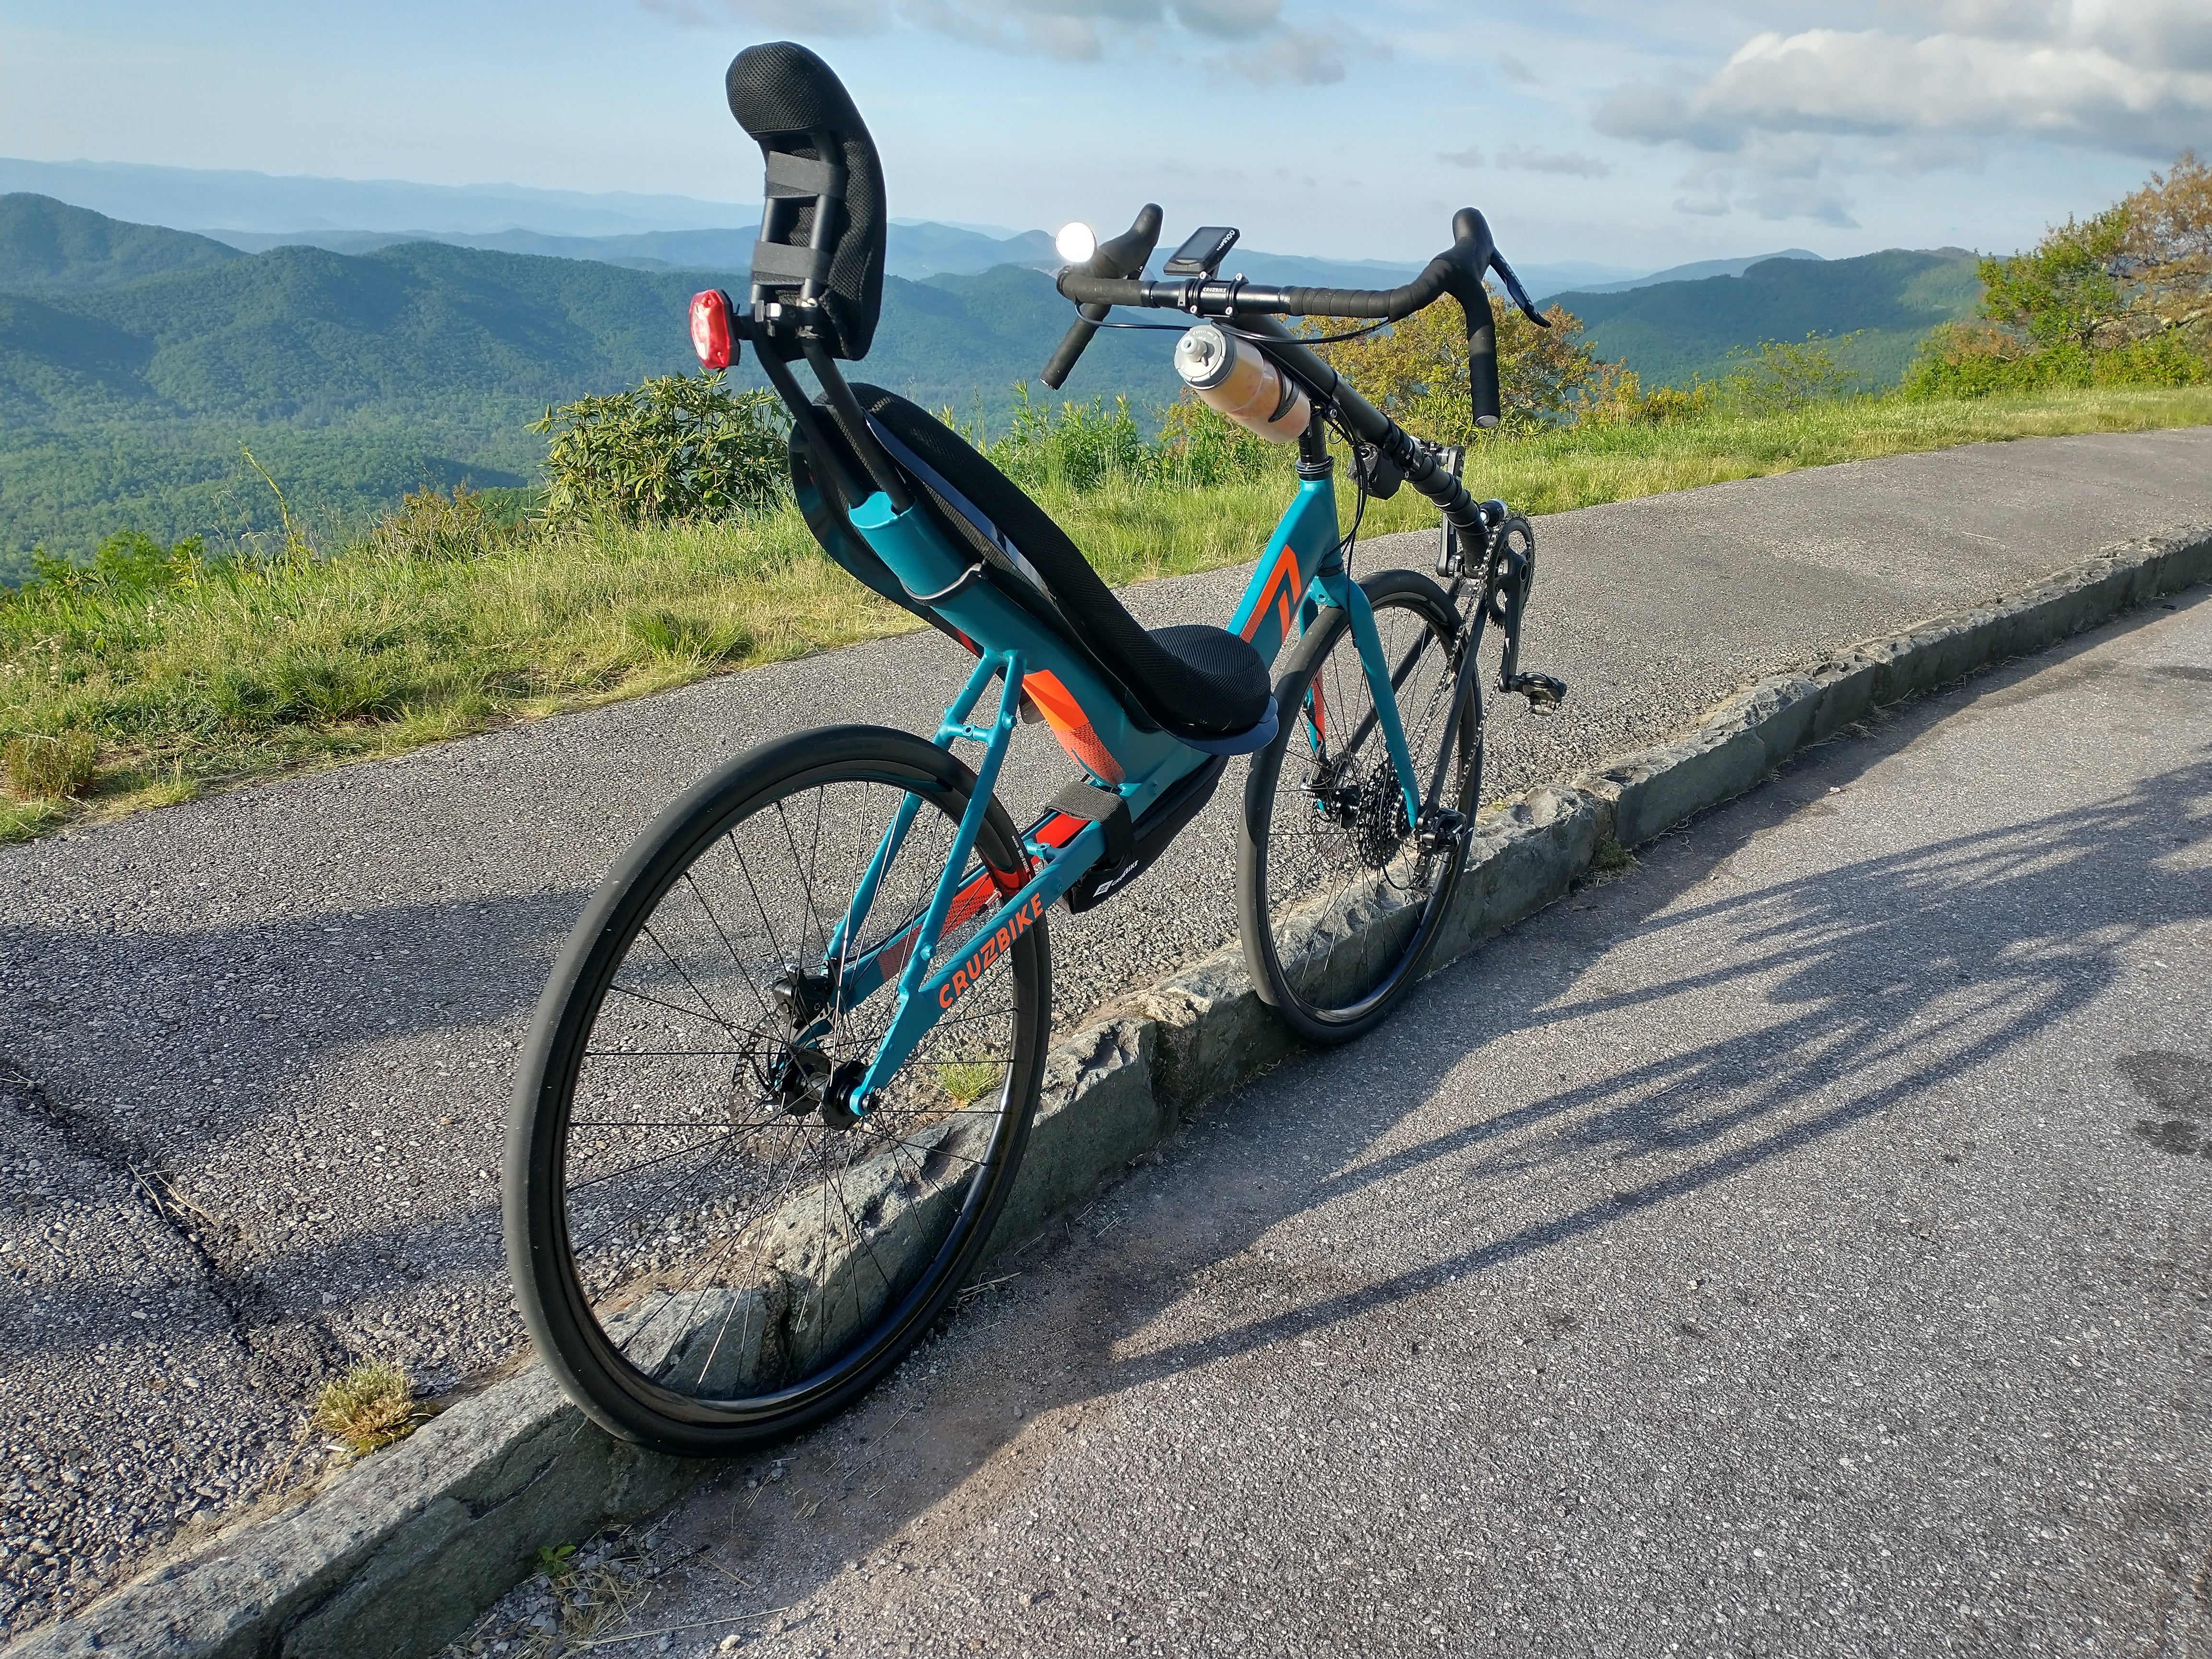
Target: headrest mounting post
x=853 y=423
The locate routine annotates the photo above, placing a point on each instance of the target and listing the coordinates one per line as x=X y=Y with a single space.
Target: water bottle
x=1236 y=379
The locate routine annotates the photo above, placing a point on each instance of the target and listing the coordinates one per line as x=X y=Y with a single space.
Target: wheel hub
x=1380 y=827
x=800 y=1075
x=1336 y=794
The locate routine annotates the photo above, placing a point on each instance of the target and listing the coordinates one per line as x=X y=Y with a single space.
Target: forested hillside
x=124 y=398
x=49 y=247
x=135 y=362
x=1670 y=332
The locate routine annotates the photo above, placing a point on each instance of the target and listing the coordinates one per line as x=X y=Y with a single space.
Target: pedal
x=1542 y=690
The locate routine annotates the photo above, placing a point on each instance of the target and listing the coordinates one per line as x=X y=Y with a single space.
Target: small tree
x=682 y=447
x=2067 y=289
x=128 y=564
x=1777 y=376
x=1415 y=371
x=2167 y=252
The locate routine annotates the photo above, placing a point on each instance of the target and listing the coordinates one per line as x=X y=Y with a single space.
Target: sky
x=1627 y=135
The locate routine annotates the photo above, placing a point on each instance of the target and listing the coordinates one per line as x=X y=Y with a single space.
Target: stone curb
x=398 y=1554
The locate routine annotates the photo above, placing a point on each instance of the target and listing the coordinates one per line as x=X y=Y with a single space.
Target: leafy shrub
x=2122 y=299
x=2066 y=289
x=1619 y=399
x=1415 y=371
x=128 y=565
x=682 y=447
x=1968 y=360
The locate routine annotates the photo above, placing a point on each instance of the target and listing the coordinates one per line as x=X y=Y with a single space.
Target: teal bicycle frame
x=1300 y=572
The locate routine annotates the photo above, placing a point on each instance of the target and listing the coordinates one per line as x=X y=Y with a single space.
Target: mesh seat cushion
x=1196 y=680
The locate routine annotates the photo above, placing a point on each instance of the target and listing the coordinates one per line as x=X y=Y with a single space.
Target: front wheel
x=710 y=1246
x=1339 y=897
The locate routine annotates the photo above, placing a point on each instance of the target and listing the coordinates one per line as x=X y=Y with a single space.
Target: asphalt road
x=254 y=1050
x=1801 y=1244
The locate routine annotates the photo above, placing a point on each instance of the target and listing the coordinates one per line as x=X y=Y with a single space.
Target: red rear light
x=710 y=329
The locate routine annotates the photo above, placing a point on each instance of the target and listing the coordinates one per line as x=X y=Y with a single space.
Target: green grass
x=230 y=673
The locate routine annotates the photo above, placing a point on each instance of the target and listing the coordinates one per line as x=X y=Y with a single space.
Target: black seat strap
x=1101 y=806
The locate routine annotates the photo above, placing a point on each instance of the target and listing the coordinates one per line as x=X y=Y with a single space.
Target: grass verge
x=146 y=696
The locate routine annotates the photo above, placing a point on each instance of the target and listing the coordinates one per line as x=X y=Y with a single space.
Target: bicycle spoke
x=748 y=1235
x=1338 y=839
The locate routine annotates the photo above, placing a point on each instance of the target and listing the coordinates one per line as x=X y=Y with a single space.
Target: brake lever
x=1513 y=287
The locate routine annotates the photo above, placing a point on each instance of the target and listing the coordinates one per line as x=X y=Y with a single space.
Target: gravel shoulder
x=1796 y=1245
x=257 y=1047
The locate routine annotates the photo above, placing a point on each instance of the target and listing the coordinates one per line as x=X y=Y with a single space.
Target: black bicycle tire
x=1325 y=1026
x=548 y=1292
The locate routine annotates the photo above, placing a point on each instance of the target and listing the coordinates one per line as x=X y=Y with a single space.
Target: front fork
x=1341 y=590
x=1502 y=596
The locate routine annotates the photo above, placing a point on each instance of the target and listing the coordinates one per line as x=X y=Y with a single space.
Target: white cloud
x=1301 y=57
x=1570 y=161
x=1514 y=69
x=1469 y=157
x=1799 y=199
x=1261 y=46
x=1935 y=85
x=2118 y=77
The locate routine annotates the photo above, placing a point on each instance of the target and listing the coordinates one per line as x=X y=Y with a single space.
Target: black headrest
x=788 y=100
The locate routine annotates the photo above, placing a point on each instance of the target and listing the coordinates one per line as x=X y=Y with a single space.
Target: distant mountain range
x=243 y=201
x=256 y=211
x=1691 y=272
x=1672 y=332
x=135 y=360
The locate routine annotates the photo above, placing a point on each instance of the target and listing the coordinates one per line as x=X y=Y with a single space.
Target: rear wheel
x=710 y=1247
x=1339 y=896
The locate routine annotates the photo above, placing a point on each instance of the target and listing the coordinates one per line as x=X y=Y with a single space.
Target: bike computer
x=1201 y=255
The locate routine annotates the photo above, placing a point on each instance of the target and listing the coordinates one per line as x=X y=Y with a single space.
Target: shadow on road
x=1864 y=988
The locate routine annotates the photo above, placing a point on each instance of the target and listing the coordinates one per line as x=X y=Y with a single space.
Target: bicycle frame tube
x=922 y=995
x=1303 y=546
x=1470 y=651
x=1299 y=568
x=1383 y=695
x=864 y=895
x=962 y=889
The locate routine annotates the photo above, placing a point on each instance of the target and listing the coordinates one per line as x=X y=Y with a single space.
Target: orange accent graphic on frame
x=1071 y=725
x=1282 y=582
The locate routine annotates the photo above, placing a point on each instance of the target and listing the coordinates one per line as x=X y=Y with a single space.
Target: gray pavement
x=1799 y=1245
x=257 y=1047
